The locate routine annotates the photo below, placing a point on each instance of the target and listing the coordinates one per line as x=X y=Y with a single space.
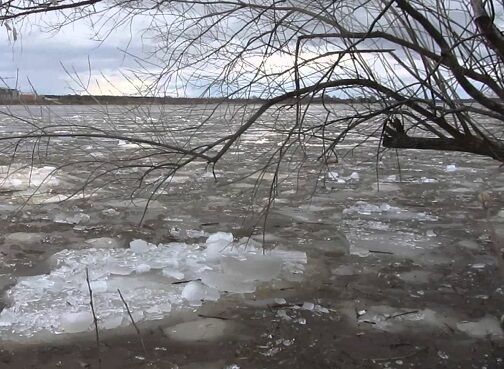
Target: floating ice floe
x=451 y=168
x=364 y=208
x=20 y=179
x=75 y=218
x=334 y=176
x=155 y=280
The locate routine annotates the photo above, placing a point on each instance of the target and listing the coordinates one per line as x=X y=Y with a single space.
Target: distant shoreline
x=142 y=100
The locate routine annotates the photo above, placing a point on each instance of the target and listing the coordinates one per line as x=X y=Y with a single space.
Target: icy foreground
x=156 y=281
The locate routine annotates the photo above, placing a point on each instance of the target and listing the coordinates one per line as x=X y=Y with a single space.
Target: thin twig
x=133 y=322
x=95 y=319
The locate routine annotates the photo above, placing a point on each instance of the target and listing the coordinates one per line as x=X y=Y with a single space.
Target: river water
x=376 y=259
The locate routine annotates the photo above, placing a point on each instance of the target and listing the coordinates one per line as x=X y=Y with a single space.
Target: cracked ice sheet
x=57 y=303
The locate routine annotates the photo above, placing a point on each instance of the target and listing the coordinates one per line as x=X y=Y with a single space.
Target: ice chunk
x=253 y=267
x=142 y=268
x=58 y=302
x=76 y=322
x=451 y=168
x=118 y=269
x=219 y=237
x=71 y=219
x=110 y=212
x=169 y=272
x=7 y=318
x=217 y=243
x=111 y=322
x=209 y=329
x=354 y=176
x=308 y=306
x=104 y=242
x=486 y=326
x=195 y=292
x=97 y=286
x=333 y=176
x=226 y=282
x=140 y=246
x=23 y=178
x=25 y=237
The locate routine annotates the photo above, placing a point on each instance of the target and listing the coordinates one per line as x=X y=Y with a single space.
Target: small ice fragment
x=253 y=267
x=226 y=282
x=98 y=286
x=220 y=236
x=169 y=272
x=308 y=306
x=7 y=318
x=193 y=233
x=104 y=242
x=427 y=180
x=486 y=326
x=110 y=212
x=385 y=207
x=216 y=243
x=333 y=176
x=76 y=322
x=321 y=309
x=280 y=301
x=430 y=233
x=354 y=176
x=361 y=312
x=451 y=168
x=208 y=329
x=142 y=268
x=283 y=315
x=111 y=322
x=443 y=355
x=232 y=366
x=301 y=321
x=478 y=266
x=195 y=292
x=118 y=269
x=71 y=219
x=25 y=237
x=141 y=246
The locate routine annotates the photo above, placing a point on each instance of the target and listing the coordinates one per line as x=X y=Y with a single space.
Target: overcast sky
x=41 y=58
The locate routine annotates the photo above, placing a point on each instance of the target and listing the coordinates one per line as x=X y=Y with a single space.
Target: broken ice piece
x=217 y=243
x=486 y=326
x=451 y=168
x=118 y=269
x=253 y=267
x=195 y=292
x=226 y=282
x=308 y=306
x=280 y=301
x=430 y=233
x=104 y=242
x=354 y=176
x=76 y=322
x=141 y=246
x=142 y=268
x=169 y=272
x=97 y=286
